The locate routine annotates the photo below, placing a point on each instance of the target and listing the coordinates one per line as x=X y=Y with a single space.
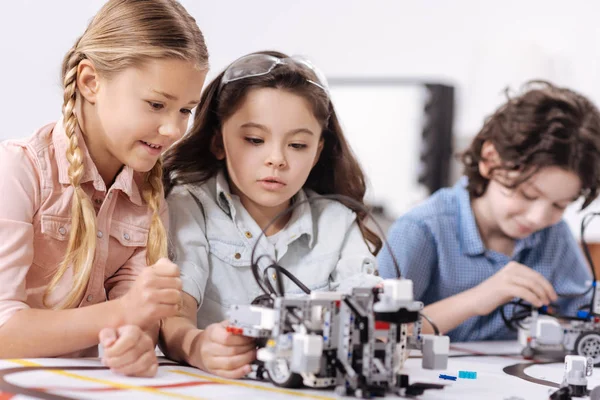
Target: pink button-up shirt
x=35 y=222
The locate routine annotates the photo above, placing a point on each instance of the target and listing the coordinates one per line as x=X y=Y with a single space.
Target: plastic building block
x=467 y=375
x=435 y=352
x=447 y=377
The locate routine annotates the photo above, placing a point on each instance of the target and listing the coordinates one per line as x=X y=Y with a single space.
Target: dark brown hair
x=337 y=171
x=544 y=126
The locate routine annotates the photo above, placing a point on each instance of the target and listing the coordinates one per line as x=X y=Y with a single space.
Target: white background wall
x=479 y=46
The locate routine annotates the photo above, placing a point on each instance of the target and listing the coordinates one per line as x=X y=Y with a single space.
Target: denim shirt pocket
x=125 y=239
x=236 y=254
x=317 y=286
x=129 y=235
x=50 y=241
x=314 y=271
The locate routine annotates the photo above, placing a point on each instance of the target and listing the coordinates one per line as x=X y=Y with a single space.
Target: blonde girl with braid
x=82 y=217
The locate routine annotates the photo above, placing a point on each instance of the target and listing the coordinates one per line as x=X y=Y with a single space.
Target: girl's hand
x=223 y=353
x=156 y=294
x=129 y=351
x=514 y=280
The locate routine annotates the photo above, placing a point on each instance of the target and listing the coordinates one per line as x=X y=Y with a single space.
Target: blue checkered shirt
x=437 y=245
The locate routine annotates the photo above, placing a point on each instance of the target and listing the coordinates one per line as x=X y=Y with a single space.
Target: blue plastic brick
x=448 y=377
x=583 y=314
x=467 y=375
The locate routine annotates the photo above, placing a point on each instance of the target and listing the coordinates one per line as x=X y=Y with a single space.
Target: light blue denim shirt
x=212 y=235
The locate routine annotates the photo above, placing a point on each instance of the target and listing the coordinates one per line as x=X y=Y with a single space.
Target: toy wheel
x=280 y=374
x=527 y=352
x=588 y=345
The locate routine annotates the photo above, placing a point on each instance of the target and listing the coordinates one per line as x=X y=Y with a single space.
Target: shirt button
x=98 y=201
x=126 y=236
x=237 y=256
x=248 y=234
x=90 y=298
x=99 y=234
x=62 y=230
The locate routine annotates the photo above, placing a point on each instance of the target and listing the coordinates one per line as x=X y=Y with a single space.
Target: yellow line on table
x=251 y=386
x=58 y=371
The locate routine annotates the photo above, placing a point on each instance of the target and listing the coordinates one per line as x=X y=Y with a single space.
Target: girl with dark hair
x=498 y=234
x=265 y=136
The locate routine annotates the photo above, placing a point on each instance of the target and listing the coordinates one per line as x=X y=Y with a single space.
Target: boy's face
x=270 y=145
x=535 y=204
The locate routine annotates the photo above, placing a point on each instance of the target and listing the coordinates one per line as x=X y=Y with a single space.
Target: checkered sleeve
x=413 y=246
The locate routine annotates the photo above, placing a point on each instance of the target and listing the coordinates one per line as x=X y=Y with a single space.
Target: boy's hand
x=223 y=353
x=128 y=351
x=514 y=280
x=156 y=294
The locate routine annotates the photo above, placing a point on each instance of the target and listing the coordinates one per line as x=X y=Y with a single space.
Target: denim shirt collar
x=300 y=223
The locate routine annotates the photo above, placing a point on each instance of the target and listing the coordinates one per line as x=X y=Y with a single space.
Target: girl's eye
x=298 y=146
x=186 y=111
x=156 y=106
x=254 y=141
x=559 y=207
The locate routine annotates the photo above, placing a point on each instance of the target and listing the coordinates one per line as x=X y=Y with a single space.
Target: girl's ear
x=490 y=159
x=88 y=81
x=216 y=146
x=319 y=150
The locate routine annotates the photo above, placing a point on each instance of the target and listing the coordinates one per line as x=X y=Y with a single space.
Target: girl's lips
x=152 y=149
x=271 y=183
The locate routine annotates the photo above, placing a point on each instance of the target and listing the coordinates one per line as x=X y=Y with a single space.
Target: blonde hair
x=123 y=34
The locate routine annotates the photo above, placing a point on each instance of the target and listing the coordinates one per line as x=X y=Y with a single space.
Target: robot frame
x=546 y=335
x=576 y=335
x=356 y=342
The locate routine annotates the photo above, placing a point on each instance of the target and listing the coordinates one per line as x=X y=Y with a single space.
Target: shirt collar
x=470 y=239
x=126 y=180
x=300 y=223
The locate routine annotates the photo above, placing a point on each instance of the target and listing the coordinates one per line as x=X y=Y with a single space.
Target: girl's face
x=270 y=145
x=535 y=204
x=138 y=113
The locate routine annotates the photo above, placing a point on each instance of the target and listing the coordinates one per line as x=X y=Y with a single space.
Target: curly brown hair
x=544 y=126
x=337 y=171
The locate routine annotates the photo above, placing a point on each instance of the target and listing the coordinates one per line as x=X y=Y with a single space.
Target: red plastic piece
x=380 y=325
x=234 y=330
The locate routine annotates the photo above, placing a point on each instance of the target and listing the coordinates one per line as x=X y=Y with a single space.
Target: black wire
x=279 y=270
x=516 y=318
x=584 y=223
x=338 y=197
x=436 y=331
x=254 y=268
x=506 y=320
x=287 y=273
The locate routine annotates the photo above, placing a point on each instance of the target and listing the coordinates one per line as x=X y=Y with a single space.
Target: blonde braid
x=82 y=240
x=153 y=194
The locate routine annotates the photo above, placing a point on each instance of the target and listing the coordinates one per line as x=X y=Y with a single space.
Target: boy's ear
x=88 y=81
x=490 y=159
x=216 y=146
x=319 y=150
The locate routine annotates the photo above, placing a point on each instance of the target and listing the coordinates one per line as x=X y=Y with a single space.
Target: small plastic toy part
x=467 y=375
x=234 y=330
x=447 y=377
x=563 y=393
